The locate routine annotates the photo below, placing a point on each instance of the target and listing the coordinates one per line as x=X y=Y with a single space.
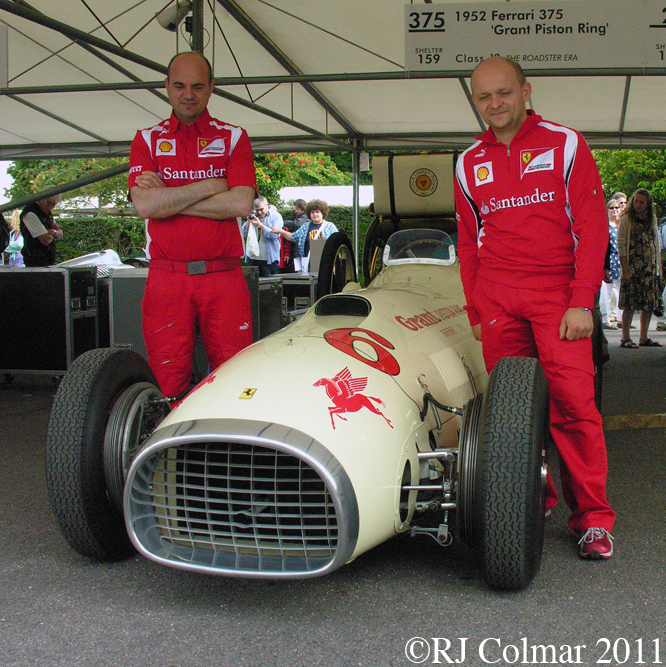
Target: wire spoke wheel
x=134 y=416
x=337 y=266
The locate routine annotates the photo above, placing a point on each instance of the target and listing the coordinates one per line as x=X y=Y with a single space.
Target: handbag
x=252 y=242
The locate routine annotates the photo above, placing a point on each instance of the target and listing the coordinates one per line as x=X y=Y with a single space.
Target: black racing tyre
x=337 y=267
x=373 y=250
x=513 y=436
x=98 y=419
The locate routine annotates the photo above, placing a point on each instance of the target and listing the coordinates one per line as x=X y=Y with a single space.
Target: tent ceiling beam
x=625 y=103
x=81 y=36
x=273 y=80
x=470 y=101
x=260 y=36
x=59 y=119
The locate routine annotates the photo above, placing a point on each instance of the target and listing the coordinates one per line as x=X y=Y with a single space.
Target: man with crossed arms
x=191 y=177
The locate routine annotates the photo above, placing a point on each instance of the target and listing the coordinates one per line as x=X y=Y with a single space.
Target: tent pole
x=197 y=26
x=355 y=202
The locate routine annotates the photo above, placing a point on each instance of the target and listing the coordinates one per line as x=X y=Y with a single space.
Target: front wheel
x=107 y=404
x=512 y=482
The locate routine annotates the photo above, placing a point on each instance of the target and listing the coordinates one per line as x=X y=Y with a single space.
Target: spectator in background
x=40 y=232
x=265 y=222
x=317 y=228
x=621 y=199
x=610 y=288
x=290 y=257
x=300 y=220
x=4 y=233
x=640 y=259
x=301 y=216
x=15 y=240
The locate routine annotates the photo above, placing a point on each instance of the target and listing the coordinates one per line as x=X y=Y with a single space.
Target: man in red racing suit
x=191 y=176
x=532 y=238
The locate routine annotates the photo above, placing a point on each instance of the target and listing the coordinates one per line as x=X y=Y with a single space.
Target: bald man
x=532 y=240
x=191 y=177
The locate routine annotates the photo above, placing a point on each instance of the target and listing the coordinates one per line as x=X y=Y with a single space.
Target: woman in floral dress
x=640 y=259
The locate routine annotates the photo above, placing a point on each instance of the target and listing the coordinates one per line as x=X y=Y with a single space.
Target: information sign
x=583 y=34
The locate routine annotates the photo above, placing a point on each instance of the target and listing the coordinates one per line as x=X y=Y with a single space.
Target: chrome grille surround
x=241 y=498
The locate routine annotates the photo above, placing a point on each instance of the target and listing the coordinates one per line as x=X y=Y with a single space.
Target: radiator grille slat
x=237 y=506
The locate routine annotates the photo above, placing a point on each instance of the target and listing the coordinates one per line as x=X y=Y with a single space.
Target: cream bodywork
x=417 y=321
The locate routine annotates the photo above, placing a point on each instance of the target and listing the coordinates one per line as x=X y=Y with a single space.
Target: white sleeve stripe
x=147 y=134
x=236 y=133
x=464 y=187
x=570 y=148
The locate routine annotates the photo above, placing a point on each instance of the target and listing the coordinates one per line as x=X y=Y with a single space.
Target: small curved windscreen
x=419 y=246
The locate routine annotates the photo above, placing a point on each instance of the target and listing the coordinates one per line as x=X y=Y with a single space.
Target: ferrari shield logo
x=540 y=159
x=210 y=147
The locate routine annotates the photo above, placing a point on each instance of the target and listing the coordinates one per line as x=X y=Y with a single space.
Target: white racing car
x=370 y=416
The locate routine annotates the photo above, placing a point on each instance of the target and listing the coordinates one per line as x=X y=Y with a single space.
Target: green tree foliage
x=343 y=161
x=274 y=172
x=627 y=170
x=279 y=170
x=31 y=176
x=126 y=235
x=86 y=234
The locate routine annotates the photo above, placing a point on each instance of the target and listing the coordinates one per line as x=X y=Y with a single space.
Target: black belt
x=197 y=268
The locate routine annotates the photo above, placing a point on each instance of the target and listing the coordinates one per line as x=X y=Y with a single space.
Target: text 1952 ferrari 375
x=371 y=415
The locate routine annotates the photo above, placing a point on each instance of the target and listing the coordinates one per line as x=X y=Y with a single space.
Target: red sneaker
x=595 y=544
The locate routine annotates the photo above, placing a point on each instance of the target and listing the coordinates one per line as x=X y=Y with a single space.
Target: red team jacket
x=531 y=214
x=181 y=154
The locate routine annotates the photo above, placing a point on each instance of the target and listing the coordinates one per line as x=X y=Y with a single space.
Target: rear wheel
x=373 y=250
x=337 y=267
x=107 y=404
x=511 y=489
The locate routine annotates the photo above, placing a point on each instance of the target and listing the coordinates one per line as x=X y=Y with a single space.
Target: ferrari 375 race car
x=371 y=415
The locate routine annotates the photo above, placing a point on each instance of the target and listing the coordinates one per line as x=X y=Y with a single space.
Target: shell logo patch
x=210 y=147
x=423 y=182
x=166 y=147
x=483 y=173
x=542 y=159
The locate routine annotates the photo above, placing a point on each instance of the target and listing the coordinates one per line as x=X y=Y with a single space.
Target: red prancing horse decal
x=344 y=391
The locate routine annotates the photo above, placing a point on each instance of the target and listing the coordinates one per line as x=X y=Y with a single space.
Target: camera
x=172 y=15
x=254 y=214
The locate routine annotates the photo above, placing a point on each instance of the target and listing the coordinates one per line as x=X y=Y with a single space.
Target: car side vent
x=343 y=304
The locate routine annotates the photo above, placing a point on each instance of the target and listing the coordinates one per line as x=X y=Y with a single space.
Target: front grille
x=233 y=507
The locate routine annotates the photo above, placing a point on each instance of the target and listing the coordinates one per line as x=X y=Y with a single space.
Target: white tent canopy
x=84 y=75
